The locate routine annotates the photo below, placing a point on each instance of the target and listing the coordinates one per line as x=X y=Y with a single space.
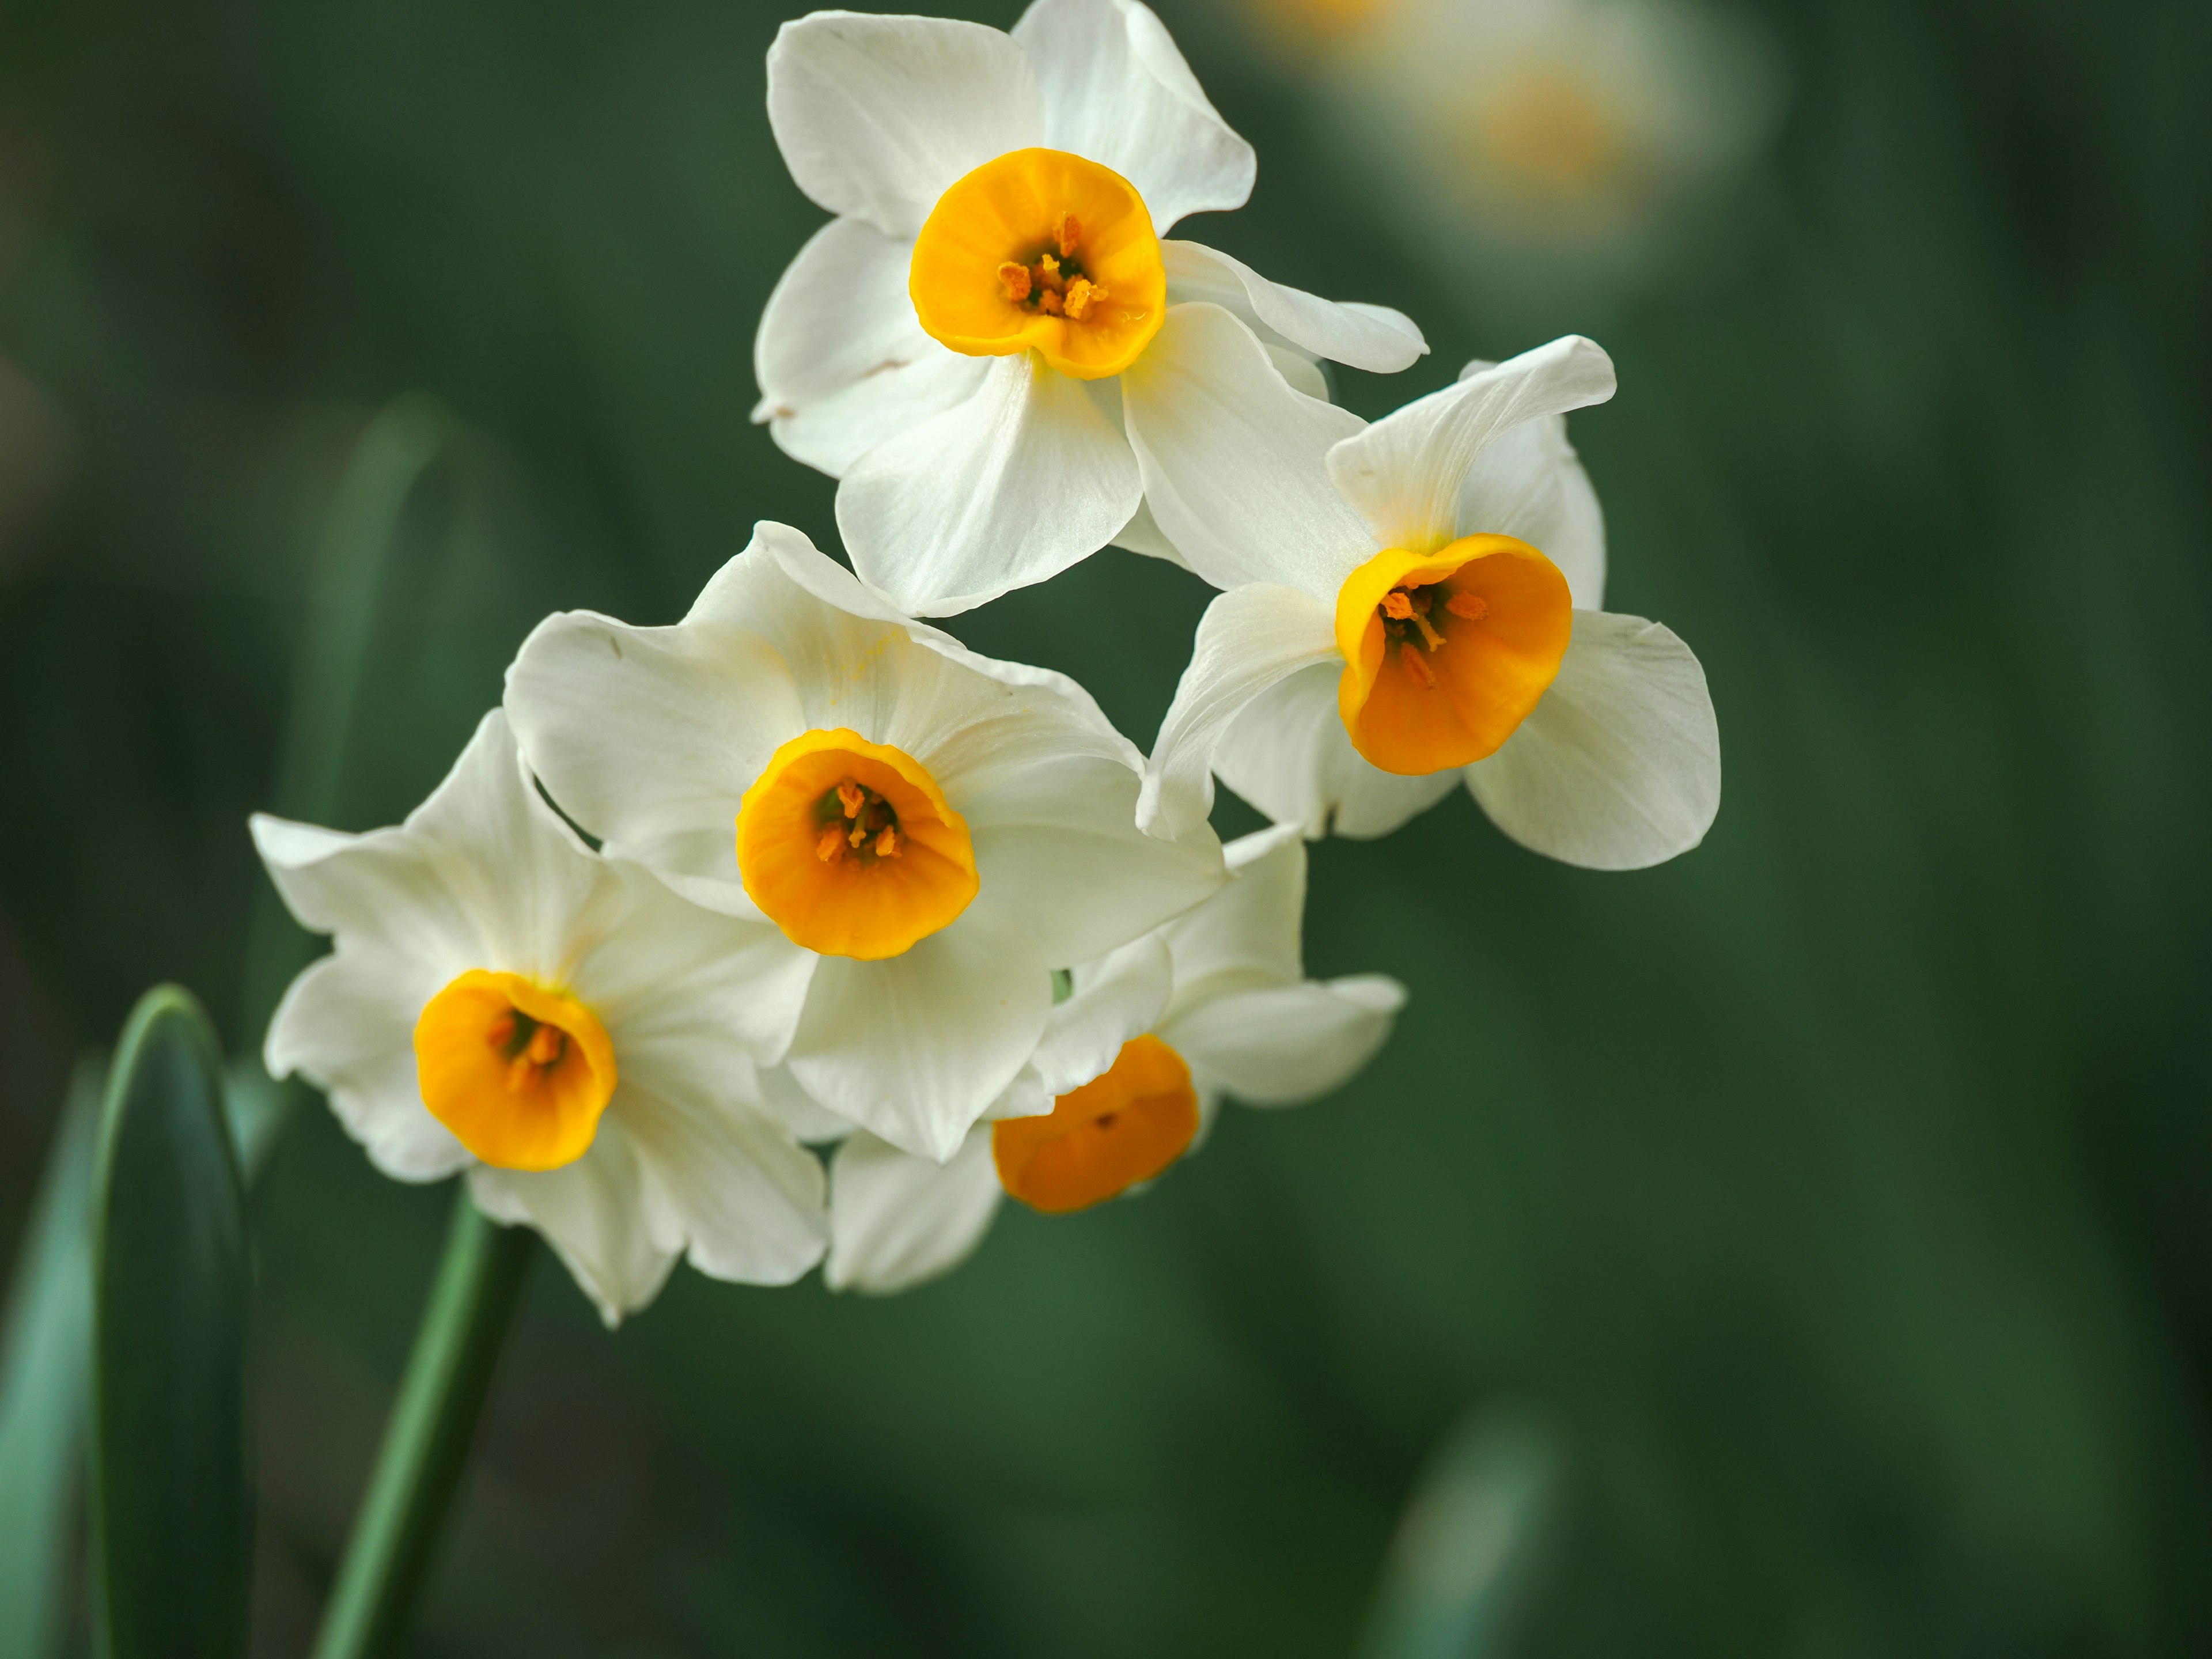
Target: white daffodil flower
x=560 y=1027
x=1138 y=1058
x=1414 y=604
x=930 y=831
x=957 y=345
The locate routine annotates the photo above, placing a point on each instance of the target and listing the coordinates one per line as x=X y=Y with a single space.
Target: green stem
x=426 y=1444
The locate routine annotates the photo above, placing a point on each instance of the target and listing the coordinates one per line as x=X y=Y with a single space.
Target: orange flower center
x=1098 y=1140
x=1041 y=250
x=850 y=848
x=1446 y=653
x=519 y=1074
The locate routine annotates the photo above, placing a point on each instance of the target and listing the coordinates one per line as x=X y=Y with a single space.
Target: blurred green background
x=1832 y=1207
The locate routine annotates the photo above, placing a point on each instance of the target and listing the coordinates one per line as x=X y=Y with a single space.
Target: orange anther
x=1067 y=231
x=1396 y=605
x=547 y=1044
x=831 y=847
x=1015 y=279
x=1469 y=606
x=852 y=798
x=1409 y=654
x=520 y=1074
x=1082 y=294
x=887 y=845
x=1049 y=303
x=503 y=1030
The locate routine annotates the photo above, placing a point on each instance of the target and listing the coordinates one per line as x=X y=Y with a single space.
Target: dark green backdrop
x=1841 y=1195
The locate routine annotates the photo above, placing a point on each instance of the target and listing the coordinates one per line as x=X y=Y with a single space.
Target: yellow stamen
x=1041 y=250
x=518 y=1073
x=1487 y=677
x=1104 y=1138
x=883 y=873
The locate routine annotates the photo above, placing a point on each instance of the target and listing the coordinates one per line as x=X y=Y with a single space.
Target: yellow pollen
x=890 y=861
x=519 y=1074
x=1424 y=688
x=1104 y=1138
x=1041 y=250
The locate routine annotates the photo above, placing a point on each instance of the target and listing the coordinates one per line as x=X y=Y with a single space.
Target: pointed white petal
x=1618 y=765
x=734 y=1192
x=1287 y=754
x=347 y=1024
x=1405 y=473
x=841 y=357
x=1235 y=461
x=1529 y=483
x=1058 y=848
x=1117 y=92
x=916 y=1047
x=896 y=1221
x=1117 y=998
x=877 y=116
x=1372 y=337
x=1025 y=478
x=1246 y=936
x=1293 y=1043
x=649 y=736
x=590 y=1212
x=1249 y=638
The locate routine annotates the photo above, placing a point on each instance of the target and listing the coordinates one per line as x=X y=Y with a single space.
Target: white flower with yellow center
x=1414 y=604
x=962 y=346
x=577 y=1039
x=930 y=832
x=1132 y=1072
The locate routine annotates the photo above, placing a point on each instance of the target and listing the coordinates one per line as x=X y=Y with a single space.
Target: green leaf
x=43 y=1346
x=1472 y=1539
x=173 y=1515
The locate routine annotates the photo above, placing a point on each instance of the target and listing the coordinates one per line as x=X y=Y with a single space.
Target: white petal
x=736 y=1194
x=1246 y=937
x=877 y=116
x=715 y=993
x=1296 y=1043
x=841 y=357
x=785 y=1100
x=1372 y=337
x=1058 y=848
x=1288 y=755
x=1025 y=478
x=382 y=889
x=1618 y=765
x=1528 y=483
x=915 y=1048
x=347 y=1024
x=1143 y=534
x=1405 y=473
x=1117 y=91
x=592 y=1213
x=1119 y=997
x=896 y=1221
x=1235 y=461
x=1249 y=639
x=649 y=736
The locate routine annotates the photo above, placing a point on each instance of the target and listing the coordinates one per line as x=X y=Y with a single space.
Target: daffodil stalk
x=427 y=1440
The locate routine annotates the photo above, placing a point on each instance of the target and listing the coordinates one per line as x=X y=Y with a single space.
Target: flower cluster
x=796 y=929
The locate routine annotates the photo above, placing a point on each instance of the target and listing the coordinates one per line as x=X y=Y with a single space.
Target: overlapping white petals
x=1368 y=337
x=877 y=116
x=1618 y=767
x=916 y=1047
x=484 y=875
x=1026 y=478
x=842 y=359
x=1287 y=754
x=1406 y=473
x=1235 y=460
x=1117 y=91
x=1528 y=483
x=897 y=1221
x=1250 y=640
x=1289 y=1044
